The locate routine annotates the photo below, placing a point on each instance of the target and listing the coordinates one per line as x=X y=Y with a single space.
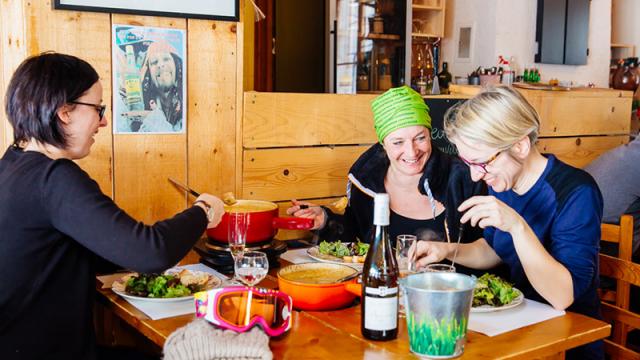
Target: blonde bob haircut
x=497 y=117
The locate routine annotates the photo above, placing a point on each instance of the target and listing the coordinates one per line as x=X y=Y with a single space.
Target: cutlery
x=184 y=187
x=349 y=277
x=455 y=252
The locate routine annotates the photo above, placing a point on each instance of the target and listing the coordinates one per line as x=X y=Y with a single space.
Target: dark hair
x=171 y=99
x=39 y=87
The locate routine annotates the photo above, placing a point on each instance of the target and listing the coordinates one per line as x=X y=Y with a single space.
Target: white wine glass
x=237 y=233
x=251 y=267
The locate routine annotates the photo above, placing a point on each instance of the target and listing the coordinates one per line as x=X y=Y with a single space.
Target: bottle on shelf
x=380 y=279
x=444 y=78
x=363 y=74
x=384 y=77
x=132 y=84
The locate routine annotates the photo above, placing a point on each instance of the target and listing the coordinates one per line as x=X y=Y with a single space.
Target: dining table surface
x=336 y=334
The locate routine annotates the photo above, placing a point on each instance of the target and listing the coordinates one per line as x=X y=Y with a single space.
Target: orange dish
x=315 y=286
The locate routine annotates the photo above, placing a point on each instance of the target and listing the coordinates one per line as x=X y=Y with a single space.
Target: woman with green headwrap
x=425 y=186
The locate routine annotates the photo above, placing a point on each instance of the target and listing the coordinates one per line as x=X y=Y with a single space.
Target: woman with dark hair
x=55 y=222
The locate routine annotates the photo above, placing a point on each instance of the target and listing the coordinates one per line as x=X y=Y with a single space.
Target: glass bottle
x=380 y=279
x=444 y=78
x=132 y=84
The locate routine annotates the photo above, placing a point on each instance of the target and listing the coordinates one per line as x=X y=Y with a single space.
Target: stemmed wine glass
x=251 y=267
x=237 y=233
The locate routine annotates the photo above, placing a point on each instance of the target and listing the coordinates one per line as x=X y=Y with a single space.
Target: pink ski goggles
x=239 y=308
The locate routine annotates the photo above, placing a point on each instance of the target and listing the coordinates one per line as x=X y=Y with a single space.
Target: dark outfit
x=564 y=210
x=55 y=224
x=448 y=180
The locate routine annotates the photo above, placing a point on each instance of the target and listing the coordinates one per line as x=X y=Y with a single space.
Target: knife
x=184 y=187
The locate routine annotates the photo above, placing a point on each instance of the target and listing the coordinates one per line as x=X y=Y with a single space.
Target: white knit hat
x=200 y=340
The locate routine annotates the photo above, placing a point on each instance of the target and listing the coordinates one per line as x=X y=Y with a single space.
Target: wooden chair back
x=626 y=273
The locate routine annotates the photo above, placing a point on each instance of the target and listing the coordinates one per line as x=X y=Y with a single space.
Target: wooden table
x=336 y=334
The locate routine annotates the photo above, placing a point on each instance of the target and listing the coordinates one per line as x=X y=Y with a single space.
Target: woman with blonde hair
x=541 y=218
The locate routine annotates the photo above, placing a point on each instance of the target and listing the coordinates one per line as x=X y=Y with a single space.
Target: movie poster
x=149 y=80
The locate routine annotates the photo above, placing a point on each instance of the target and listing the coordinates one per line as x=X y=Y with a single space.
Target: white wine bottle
x=380 y=279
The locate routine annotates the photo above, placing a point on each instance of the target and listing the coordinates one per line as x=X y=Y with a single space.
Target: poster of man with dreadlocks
x=149 y=80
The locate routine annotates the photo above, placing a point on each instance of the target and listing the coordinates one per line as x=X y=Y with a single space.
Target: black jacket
x=448 y=179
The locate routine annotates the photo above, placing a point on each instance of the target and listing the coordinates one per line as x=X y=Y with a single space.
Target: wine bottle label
x=381 y=313
x=381 y=291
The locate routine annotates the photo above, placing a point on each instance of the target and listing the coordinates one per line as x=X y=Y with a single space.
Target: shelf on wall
x=630 y=46
x=425 y=7
x=373 y=36
x=424 y=35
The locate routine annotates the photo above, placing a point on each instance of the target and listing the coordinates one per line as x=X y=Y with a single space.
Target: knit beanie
x=200 y=340
x=398 y=108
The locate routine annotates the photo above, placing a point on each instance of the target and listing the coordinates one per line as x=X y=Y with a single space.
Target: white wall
x=625 y=27
x=507 y=27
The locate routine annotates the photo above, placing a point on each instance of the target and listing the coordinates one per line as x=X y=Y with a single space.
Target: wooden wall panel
x=212 y=105
x=565 y=116
x=580 y=151
x=142 y=162
x=87 y=36
x=13 y=50
x=277 y=119
x=284 y=174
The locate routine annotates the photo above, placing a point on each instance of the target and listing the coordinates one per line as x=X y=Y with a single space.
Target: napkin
x=498 y=322
x=164 y=309
x=296 y=256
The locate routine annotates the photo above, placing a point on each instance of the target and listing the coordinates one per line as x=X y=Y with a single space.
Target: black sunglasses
x=99 y=108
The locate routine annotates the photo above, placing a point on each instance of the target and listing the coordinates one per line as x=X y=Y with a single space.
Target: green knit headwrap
x=398 y=108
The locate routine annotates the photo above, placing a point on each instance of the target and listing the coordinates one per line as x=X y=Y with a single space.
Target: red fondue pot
x=263 y=221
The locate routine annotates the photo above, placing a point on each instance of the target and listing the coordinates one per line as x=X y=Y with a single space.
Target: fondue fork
x=184 y=187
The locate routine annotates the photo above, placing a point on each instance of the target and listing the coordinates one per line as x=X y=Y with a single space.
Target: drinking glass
x=251 y=267
x=237 y=233
x=440 y=268
x=406 y=264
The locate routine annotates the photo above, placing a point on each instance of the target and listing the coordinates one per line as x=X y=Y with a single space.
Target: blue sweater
x=564 y=210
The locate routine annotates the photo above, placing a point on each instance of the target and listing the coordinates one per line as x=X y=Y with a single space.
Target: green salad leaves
x=341 y=249
x=156 y=286
x=494 y=291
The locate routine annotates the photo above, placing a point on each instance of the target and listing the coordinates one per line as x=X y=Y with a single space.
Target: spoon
x=348 y=277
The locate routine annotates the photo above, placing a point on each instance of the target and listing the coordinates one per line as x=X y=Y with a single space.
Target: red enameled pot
x=263 y=221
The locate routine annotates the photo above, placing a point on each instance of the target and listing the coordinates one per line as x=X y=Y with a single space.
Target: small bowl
x=312 y=293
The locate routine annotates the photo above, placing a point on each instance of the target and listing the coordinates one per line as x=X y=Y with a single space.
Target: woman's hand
x=488 y=211
x=428 y=252
x=216 y=205
x=308 y=210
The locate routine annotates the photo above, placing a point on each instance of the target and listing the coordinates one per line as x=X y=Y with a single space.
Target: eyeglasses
x=239 y=308
x=481 y=167
x=99 y=108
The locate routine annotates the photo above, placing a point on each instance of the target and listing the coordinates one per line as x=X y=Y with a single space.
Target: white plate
x=148 y=299
x=488 y=308
x=212 y=278
x=315 y=254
